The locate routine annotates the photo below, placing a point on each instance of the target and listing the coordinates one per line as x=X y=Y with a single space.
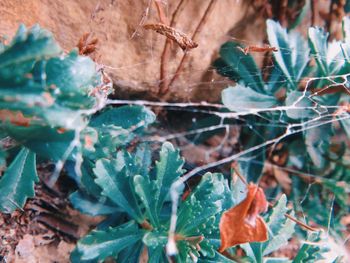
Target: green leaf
x=146 y=190
x=234 y=64
x=98 y=245
x=126 y=117
x=304 y=11
x=17 y=183
x=328 y=57
x=301 y=106
x=317 y=140
x=346 y=29
x=218 y=258
x=131 y=253
x=155 y=239
x=312 y=250
x=71 y=75
x=168 y=169
x=27 y=47
x=90 y=205
x=318 y=43
x=277 y=260
x=117 y=186
x=201 y=206
x=281 y=229
x=240 y=98
x=293 y=53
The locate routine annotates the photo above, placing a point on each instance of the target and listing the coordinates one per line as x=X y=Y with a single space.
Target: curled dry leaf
x=87 y=44
x=180 y=38
x=242 y=223
x=250 y=49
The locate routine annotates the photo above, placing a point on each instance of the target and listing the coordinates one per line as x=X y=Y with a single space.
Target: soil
x=46 y=229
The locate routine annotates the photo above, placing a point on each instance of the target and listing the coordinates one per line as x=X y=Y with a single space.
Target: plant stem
x=301 y=223
x=194 y=36
x=164 y=81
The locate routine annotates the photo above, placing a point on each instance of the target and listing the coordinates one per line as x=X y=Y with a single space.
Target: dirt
x=45 y=230
x=134 y=63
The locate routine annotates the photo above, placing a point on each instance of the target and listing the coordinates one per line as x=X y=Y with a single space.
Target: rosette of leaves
x=135 y=199
x=138 y=215
x=284 y=97
x=48 y=101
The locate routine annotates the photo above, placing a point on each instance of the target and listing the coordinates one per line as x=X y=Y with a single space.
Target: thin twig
x=164 y=81
x=194 y=37
x=240 y=176
x=301 y=223
x=161 y=14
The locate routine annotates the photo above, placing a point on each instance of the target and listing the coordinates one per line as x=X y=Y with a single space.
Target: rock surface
x=134 y=63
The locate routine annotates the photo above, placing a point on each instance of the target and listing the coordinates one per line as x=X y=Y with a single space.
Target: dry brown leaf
x=180 y=38
x=87 y=44
x=250 y=49
x=242 y=223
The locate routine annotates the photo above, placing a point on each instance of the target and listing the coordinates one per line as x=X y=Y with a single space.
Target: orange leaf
x=242 y=223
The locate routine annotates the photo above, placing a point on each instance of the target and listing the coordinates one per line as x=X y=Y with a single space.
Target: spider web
x=325 y=114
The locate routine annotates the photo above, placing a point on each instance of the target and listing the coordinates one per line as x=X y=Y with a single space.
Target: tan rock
x=134 y=63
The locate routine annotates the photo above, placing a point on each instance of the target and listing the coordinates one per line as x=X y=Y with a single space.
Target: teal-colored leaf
x=240 y=98
x=318 y=43
x=329 y=58
x=2 y=158
x=146 y=190
x=201 y=207
x=27 y=47
x=155 y=239
x=98 y=245
x=126 y=117
x=317 y=140
x=300 y=105
x=346 y=29
x=131 y=253
x=293 y=54
x=168 y=169
x=280 y=228
x=234 y=64
x=276 y=260
x=17 y=183
x=218 y=258
x=312 y=250
x=304 y=11
x=71 y=75
x=157 y=255
x=90 y=205
x=117 y=186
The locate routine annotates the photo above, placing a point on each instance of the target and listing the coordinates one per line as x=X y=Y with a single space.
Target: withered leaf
x=180 y=38
x=242 y=223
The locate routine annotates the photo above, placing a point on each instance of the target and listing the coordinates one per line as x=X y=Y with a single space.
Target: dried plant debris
x=87 y=44
x=175 y=35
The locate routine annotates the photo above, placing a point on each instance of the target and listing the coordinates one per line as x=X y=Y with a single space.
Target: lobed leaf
x=98 y=245
x=17 y=183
